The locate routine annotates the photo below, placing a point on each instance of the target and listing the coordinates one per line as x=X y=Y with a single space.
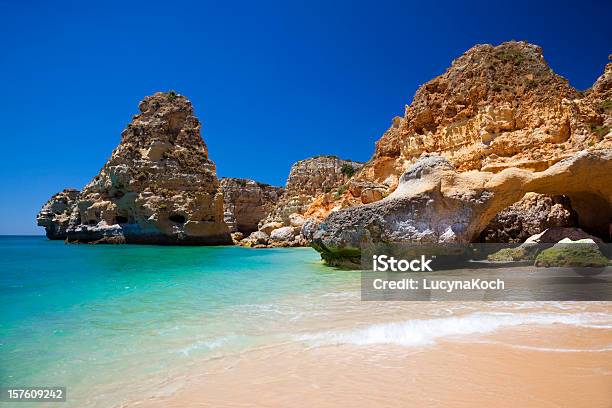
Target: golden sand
x=525 y=366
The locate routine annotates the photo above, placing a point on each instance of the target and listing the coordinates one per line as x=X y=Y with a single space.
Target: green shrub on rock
x=522 y=253
x=572 y=255
x=171 y=94
x=347 y=170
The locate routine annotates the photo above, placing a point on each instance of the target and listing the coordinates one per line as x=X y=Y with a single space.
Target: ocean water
x=119 y=323
x=91 y=317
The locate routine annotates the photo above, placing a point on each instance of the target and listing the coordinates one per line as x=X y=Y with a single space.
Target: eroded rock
x=158 y=186
x=558 y=234
x=530 y=249
x=495 y=107
x=498 y=124
x=257 y=239
x=312 y=184
x=307 y=179
x=531 y=215
x=437 y=204
x=246 y=202
x=55 y=214
x=583 y=253
x=284 y=234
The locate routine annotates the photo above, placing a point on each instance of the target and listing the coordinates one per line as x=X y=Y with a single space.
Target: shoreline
x=181 y=327
x=452 y=373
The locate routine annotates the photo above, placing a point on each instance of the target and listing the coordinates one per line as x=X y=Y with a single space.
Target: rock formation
x=435 y=203
x=531 y=215
x=246 y=203
x=55 y=214
x=318 y=178
x=494 y=108
x=463 y=163
x=498 y=124
x=529 y=250
x=308 y=179
x=557 y=234
x=158 y=186
x=583 y=254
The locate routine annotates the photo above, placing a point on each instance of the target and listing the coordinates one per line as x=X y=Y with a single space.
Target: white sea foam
x=206 y=344
x=559 y=349
x=427 y=331
x=598 y=326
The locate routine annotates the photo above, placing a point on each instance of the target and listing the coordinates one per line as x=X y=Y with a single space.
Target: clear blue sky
x=272 y=82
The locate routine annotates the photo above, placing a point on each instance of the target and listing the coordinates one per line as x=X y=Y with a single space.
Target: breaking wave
x=427 y=331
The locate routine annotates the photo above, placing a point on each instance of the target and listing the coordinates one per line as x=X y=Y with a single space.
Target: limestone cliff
x=495 y=108
x=316 y=178
x=158 y=186
x=247 y=202
x=308 y=179
x=498 y=124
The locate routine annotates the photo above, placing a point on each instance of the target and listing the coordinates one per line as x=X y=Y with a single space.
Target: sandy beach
x=522 y=366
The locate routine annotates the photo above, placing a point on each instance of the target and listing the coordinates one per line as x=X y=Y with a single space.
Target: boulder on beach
x=569 y=253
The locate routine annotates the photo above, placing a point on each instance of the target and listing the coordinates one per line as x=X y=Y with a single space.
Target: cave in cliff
x=536 y=212
x=594 y=214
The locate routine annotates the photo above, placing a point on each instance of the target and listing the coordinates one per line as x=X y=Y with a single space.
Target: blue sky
x=272 y=82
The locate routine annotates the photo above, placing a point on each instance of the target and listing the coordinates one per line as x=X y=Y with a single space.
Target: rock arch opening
x=512 y=221
x=594 y=214
x=583 y=179
x=532 y=214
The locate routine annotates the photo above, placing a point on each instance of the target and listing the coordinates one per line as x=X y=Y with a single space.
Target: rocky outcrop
x=308 y=179
x=246 y=203
x=56 y=212
x=558 y=234
x=598 y=105
x=158 y=186
x=529 y=250
x=257 y=239
x=498 y=124
x=531 y=215
x=495 y=108
x=436 y=203
x=317 y=178
x=583 y=253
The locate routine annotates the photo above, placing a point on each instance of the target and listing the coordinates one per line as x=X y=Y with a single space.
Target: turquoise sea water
x=90 y=316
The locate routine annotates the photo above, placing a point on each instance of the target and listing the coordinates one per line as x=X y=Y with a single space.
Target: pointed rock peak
x=162 y=103
x=165 y=118
x=158 y=186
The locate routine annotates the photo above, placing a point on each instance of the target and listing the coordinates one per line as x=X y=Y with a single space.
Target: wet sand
x=524 y=366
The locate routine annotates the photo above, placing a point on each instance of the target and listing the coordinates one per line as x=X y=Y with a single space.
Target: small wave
x=427 y=331
x=206 y=344
x=559 y=349
x=341 y=295
x=598 y=326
